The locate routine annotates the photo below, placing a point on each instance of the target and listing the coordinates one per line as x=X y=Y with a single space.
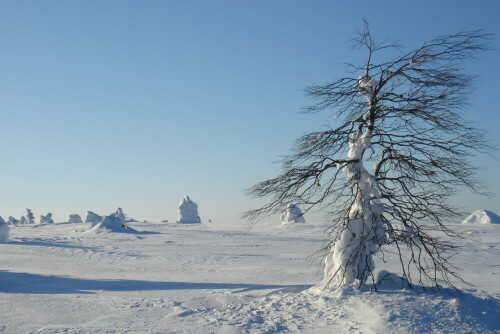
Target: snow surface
x=174 y=278
x=292 y=214
x=188 y=212
x=482 y=217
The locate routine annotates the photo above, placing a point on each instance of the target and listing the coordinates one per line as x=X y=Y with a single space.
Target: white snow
x=188 y=212
x=4 y=231
x=174 y=278
x=75 y=219
x=46 y=219
x=92 y=217
x=292 y=214
x=482 y=217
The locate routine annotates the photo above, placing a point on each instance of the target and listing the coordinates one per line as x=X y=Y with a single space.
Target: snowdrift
x=482 y=217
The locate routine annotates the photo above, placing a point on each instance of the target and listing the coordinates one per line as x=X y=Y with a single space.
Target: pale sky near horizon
x=134 y=104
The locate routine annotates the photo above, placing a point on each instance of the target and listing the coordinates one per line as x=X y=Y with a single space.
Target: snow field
x=174 y=278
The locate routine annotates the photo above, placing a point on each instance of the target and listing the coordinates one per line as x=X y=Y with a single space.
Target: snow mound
x=112 y=223
x=23 y=221
x=388 y=279
x=93 y=218
x=4 y=231
x=291 y=215
x=74 y=218
x=188 y=212
x=12 y=221
x=482 y=217
x=46 y=219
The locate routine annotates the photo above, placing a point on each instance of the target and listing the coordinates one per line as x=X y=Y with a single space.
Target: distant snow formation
x=292 y=214
x=30 y=218
x=23 y=221
x=115 y=222
x=482 y=217
x=74 y=218
x=12 y=221
x=46 y=219
x=92 y=217
x=4 y=231
x=188 y=212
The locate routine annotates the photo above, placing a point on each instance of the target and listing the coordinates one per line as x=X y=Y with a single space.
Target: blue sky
x=138 y=103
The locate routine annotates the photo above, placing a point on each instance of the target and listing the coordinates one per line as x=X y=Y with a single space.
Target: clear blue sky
x=138 y=103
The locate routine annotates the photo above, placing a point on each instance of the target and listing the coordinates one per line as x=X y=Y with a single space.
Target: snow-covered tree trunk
x=350 y=258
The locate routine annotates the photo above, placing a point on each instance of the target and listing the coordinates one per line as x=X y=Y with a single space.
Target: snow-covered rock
x=46 y=219
x=92 y=217
x=74 y=218
x=482 y=217
x=188 y=212
x=4 y=231
x=12 y=221
x=292 y=214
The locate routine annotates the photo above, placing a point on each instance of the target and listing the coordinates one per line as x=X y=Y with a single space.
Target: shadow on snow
x=13 y=282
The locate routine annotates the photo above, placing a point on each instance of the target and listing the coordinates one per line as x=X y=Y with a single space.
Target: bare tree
x=401 y=120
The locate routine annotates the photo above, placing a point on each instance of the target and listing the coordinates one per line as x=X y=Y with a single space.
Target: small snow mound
x=74 y=218
x=93 y=218
x=12 y=221
x=188 y=212
x=482 y=217
x=4 y=231
x=291 y=215
x=388 y=279
x=46 y=219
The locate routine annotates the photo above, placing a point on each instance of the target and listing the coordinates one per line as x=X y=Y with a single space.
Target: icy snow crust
x=56 y=278
x=482 y=217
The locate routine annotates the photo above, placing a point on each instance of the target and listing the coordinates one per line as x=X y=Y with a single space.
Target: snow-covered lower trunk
x=363 y=231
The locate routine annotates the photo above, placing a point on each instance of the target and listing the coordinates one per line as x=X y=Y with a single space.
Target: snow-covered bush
x=23 y=220
x=188 y=212
x=74 y=218
x=46 y=219
x=4 y=231
x=292 y=214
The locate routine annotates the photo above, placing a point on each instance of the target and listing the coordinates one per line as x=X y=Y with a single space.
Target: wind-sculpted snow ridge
x=292 y=214
x=188 y=212
x=482 y=217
